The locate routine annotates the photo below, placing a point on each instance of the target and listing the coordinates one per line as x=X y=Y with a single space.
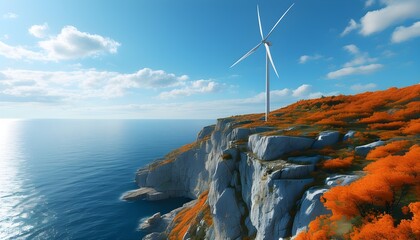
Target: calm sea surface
x=63 y=179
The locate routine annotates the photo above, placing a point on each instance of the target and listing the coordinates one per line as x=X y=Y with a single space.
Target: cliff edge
x=252 y=179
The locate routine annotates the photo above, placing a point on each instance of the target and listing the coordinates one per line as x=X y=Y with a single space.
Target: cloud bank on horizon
x=56 y=66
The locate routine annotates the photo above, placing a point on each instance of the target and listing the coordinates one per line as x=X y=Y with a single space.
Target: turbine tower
x=267 y=45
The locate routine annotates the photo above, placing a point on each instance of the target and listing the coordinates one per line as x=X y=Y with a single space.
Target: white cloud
x=388 y=53
x=350 y=27
x=194 y=87
x=19 y=52
x=10 y=15
x=302 y=90
x=351 y=48
x=394 y=12
x=346 y=71
x=361 y=87
x=305 y=58
x=275 y=96
x=204 y=109
x=402 y=34
x=360 y=58
x=149 y=78
x=38 y=31
x=193 y=109
x=70 y=43
x=88 y=83
x=369 y=3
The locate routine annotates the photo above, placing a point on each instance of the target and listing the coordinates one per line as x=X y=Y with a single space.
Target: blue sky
x=171 y=59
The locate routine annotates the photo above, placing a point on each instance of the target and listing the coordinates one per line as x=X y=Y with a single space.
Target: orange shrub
x=412 y=110
x=331 y=122
x=388 y=134
x=338 y=163
x=378 y=117
x=356 y=198
x=408 y=164
x=415 y=220
x=390 y=126
x=373 y=227
x=389 y=149
x=382 y=227
x=413 y=127
x=322 y=228
x=379 y=189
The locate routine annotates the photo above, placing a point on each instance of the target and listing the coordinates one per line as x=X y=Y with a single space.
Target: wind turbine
x=267 y=45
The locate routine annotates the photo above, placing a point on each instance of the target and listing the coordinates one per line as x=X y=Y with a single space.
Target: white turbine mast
x=267 y=45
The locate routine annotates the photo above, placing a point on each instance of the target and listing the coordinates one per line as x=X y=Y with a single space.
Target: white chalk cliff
x=255 y=189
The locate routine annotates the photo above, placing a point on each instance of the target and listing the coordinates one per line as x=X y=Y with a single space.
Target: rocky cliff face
x=256 y=182
x=252 y=192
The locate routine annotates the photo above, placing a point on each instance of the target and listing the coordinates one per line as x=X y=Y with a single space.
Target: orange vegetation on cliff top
x=376 y=199
x=190 y=217
x=396 y=109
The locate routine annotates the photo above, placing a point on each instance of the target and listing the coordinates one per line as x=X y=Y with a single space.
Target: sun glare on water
x=11 y=211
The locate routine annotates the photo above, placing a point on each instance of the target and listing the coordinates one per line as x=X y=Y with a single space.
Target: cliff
x=253 y=179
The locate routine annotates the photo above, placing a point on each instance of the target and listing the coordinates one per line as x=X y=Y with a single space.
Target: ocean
x=63 y=179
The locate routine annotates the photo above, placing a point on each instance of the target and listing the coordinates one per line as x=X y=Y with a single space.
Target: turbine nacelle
x=267 y=43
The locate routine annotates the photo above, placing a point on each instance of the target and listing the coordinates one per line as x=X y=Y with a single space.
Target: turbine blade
x=267 y=48
x=247 y=54
x=275 y=25
x=259 y=22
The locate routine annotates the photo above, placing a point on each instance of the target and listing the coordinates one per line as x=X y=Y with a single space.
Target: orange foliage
x=388 y=134
x=385 y=179
x=379 y=228
x=355 y=199
x=338 y=163
x=387 y=110
x=372 y=228
x=170 y=157
x=322 y=228
x=332 y=122
x=407 y=164
x=378 y=117
x=189 y=217
x=374 y=197
x=413 y=127
x=390 y=148
x=382 y=227
x=415 y=220
x=391 y=125
x=411 y=110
